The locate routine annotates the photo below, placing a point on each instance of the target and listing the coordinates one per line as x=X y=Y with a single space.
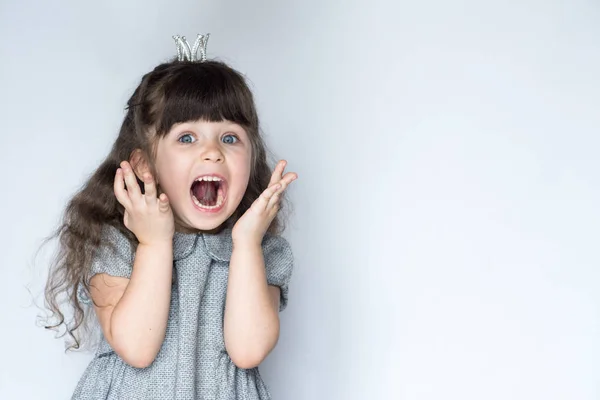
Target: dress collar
x=217 y=245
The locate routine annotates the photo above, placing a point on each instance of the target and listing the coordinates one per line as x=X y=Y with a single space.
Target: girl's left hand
x=253 y=225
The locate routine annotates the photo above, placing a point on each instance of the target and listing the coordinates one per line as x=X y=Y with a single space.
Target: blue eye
x=230 y=139
x=187 y=138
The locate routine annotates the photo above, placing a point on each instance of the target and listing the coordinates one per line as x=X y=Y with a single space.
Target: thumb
x=163 y=203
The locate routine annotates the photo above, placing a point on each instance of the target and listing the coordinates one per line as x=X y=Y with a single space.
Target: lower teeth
x=219 y=203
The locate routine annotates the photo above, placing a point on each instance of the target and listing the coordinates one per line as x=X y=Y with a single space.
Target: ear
x=139 y=163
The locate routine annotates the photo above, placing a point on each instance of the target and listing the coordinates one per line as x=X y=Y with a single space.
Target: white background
x=447 y=223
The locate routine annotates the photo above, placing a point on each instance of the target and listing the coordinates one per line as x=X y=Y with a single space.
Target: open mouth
x=209 y=191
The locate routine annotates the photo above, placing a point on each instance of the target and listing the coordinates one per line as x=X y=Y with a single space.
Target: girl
x=174 y=241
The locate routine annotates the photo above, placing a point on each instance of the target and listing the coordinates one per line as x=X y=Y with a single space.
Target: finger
x=266 y=195
x=149 y=189
x=289 y=178
x=278 y=172
x=163 y=203
x=133 y=188
x=285 y=182
x=119 y=189
x=276 y=198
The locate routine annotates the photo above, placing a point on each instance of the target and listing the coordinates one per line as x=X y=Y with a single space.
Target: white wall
x=447 y=214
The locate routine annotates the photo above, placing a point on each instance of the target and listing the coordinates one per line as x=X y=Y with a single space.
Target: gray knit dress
x=192 y=362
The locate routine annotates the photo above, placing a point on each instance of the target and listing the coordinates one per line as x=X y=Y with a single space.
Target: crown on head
x=185 y=53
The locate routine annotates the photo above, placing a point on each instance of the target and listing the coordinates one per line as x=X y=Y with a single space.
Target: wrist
x=163 y=244
x=247 y=242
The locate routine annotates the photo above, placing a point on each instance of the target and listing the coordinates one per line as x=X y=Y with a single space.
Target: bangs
x=207 y=91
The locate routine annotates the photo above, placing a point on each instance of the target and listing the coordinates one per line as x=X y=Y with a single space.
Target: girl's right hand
x=149 y=217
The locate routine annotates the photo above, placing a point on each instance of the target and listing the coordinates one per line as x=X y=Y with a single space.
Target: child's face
x=204 y=168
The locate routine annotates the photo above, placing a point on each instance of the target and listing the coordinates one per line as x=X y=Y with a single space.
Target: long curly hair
x=174 y=92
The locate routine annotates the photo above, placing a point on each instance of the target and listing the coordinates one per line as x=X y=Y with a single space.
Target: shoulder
x=276 y=246
x=114 y=242
x=114 y=255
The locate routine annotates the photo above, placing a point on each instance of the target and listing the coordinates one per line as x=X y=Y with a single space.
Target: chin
x=202 y=224
x=195 y=220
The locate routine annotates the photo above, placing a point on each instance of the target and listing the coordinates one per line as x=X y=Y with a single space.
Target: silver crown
x=184 y=53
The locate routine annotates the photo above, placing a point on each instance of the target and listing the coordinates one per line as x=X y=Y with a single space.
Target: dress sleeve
x=114 y=257
x=279 y=263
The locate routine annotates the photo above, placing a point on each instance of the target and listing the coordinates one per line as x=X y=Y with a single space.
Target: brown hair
x=174 y=92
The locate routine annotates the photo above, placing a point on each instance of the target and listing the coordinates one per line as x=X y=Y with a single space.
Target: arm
x=133 y=312
x=251 y=323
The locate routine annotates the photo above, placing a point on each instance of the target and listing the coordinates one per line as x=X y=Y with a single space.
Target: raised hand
x=253 y=225
x=149 y=217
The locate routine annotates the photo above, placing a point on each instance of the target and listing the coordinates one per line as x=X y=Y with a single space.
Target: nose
x=212 y=153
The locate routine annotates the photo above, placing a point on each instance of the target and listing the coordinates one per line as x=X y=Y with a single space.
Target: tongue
x=206 y=192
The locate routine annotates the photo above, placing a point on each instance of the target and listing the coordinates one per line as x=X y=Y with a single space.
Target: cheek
x=245 y=168
x=240 y=171
x=163 y=170
x=166 y=168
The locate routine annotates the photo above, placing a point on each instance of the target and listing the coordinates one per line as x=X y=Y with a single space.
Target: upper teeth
x=208 y=178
